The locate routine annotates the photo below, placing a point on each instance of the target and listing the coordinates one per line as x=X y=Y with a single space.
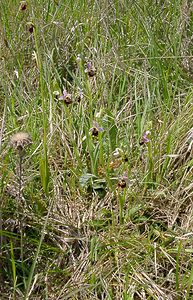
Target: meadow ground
x=96 y=144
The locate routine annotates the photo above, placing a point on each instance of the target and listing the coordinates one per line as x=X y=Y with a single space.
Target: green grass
x=96 y=214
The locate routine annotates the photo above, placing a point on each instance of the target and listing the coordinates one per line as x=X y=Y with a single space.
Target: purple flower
x=97 y=126
x=96 y=129
x=80 y=95
x=63 y=96
x=66 y=97
x=89 y=65
x=124 y=180
x=90 y=69
x=145 y=138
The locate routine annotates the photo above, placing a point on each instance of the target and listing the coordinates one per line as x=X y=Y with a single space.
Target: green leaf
x=44 y=173
x=85 y=179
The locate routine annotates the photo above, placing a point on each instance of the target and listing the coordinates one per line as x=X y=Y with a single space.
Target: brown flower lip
x=23 y=5
x=90 y=69
x=96 y=129
x=66 y=97
x=31 y=28
x=122 y=183
x=20 y=140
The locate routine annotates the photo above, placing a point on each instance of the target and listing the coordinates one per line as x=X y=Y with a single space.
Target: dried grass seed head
x=20 y=140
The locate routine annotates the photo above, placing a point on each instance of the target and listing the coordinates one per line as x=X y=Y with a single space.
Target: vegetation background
x=97 y=188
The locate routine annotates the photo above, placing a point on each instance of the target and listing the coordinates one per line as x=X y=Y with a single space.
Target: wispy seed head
x=20 y=140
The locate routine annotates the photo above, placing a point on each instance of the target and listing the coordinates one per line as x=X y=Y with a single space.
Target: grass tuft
x=100 y=205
